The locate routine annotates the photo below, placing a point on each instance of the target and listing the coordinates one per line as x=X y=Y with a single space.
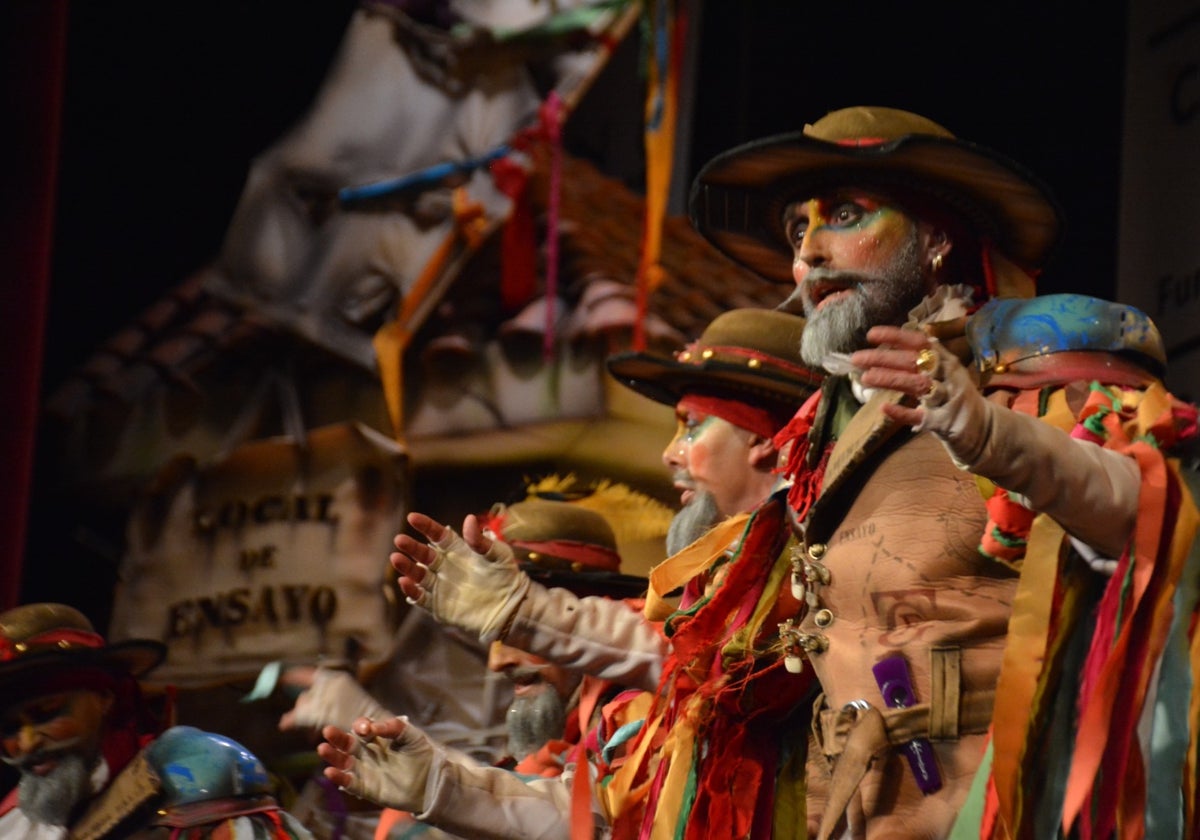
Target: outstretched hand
x=908 y=361
x=470 y=582
x=328 y=696
x=413 y=559
x=387 y=761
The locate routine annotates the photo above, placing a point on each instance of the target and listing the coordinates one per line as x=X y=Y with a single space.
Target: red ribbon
x=518 y=255
x=10 y=649
x=760 y=421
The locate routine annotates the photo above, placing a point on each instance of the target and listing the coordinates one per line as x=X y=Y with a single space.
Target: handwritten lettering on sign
x=274 y=605
x=277 y=551
x=280 y=606
x=275 y=508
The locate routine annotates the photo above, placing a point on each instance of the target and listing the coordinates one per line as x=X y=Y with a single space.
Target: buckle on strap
x=832 y=726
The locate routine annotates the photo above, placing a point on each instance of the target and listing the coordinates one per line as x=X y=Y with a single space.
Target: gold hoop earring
x=937 y=263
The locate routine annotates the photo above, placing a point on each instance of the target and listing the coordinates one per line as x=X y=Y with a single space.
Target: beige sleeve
x=1091 y=491
x=598 y=636
x=488 y=803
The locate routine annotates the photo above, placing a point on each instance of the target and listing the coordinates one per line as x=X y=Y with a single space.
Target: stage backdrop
x=1159 y=247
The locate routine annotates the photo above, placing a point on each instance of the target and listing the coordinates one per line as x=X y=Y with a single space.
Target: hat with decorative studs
x=54 y=647
x=561 y=544
x=738 y=199
x=743 y=355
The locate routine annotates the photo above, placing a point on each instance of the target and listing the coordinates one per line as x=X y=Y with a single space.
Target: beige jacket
x=890 y=548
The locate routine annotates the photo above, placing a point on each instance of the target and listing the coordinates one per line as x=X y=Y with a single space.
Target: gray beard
x=692 y=522
x=51 y=799
x=532 y=721
x=882 y=299
x=841 y=328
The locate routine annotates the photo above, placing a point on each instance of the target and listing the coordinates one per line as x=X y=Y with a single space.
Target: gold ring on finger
x=927 y=361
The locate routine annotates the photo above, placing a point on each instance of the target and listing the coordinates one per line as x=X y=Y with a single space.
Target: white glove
x=392 y=772
x=334 y=697
x=475 y=592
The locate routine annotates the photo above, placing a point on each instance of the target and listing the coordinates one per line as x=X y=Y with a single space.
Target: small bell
x=815 y=575
x=799 y=585
x=793 y=653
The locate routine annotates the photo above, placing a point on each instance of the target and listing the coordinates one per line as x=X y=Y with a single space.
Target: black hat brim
x=136 y=657
x=738 y=198
x=666 y=380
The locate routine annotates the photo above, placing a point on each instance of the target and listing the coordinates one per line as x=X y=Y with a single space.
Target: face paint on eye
x=694 y=427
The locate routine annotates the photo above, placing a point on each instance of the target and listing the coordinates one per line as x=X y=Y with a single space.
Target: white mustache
x=50 y=752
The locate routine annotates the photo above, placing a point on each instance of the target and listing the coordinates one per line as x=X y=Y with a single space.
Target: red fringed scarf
x=793 y=440
x=733 y=698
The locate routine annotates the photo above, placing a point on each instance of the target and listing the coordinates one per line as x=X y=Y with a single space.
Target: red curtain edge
x=33 y=45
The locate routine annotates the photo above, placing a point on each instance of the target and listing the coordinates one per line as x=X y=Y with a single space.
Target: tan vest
x=894 y=533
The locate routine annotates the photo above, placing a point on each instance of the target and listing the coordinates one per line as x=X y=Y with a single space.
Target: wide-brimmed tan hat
x=738 y=199
x=752 y=355
x=49 y=642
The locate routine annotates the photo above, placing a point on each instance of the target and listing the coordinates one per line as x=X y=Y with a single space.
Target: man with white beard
x=541 y=691
x=734 y=390
x=905 y=243
x=92 y=759
x=565 y=543
x=72 y=718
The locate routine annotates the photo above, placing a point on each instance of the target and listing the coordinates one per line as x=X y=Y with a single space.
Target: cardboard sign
x=278 y=551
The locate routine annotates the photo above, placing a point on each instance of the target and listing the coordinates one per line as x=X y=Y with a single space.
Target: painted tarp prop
x=277 y=551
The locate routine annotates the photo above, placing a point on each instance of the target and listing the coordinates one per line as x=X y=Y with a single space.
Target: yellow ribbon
x=688 y=562
x=392 y=339
x=1024 y=655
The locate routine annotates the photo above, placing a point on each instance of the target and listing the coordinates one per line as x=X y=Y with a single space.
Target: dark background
x=167 y=103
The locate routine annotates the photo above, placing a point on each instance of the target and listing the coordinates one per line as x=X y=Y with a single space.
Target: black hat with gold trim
x=751 y=355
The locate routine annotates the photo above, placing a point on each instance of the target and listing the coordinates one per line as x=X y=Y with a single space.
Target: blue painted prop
x=198 y=766
x=1006 y=331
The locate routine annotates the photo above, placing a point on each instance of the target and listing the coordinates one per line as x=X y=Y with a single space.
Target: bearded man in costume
x=562 y=535
x=885 y=219
x=93 y=761
x=1095 y=716
x=717 y=695
x=894 y=232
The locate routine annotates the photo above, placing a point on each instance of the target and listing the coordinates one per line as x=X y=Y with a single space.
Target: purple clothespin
x=895 y=685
